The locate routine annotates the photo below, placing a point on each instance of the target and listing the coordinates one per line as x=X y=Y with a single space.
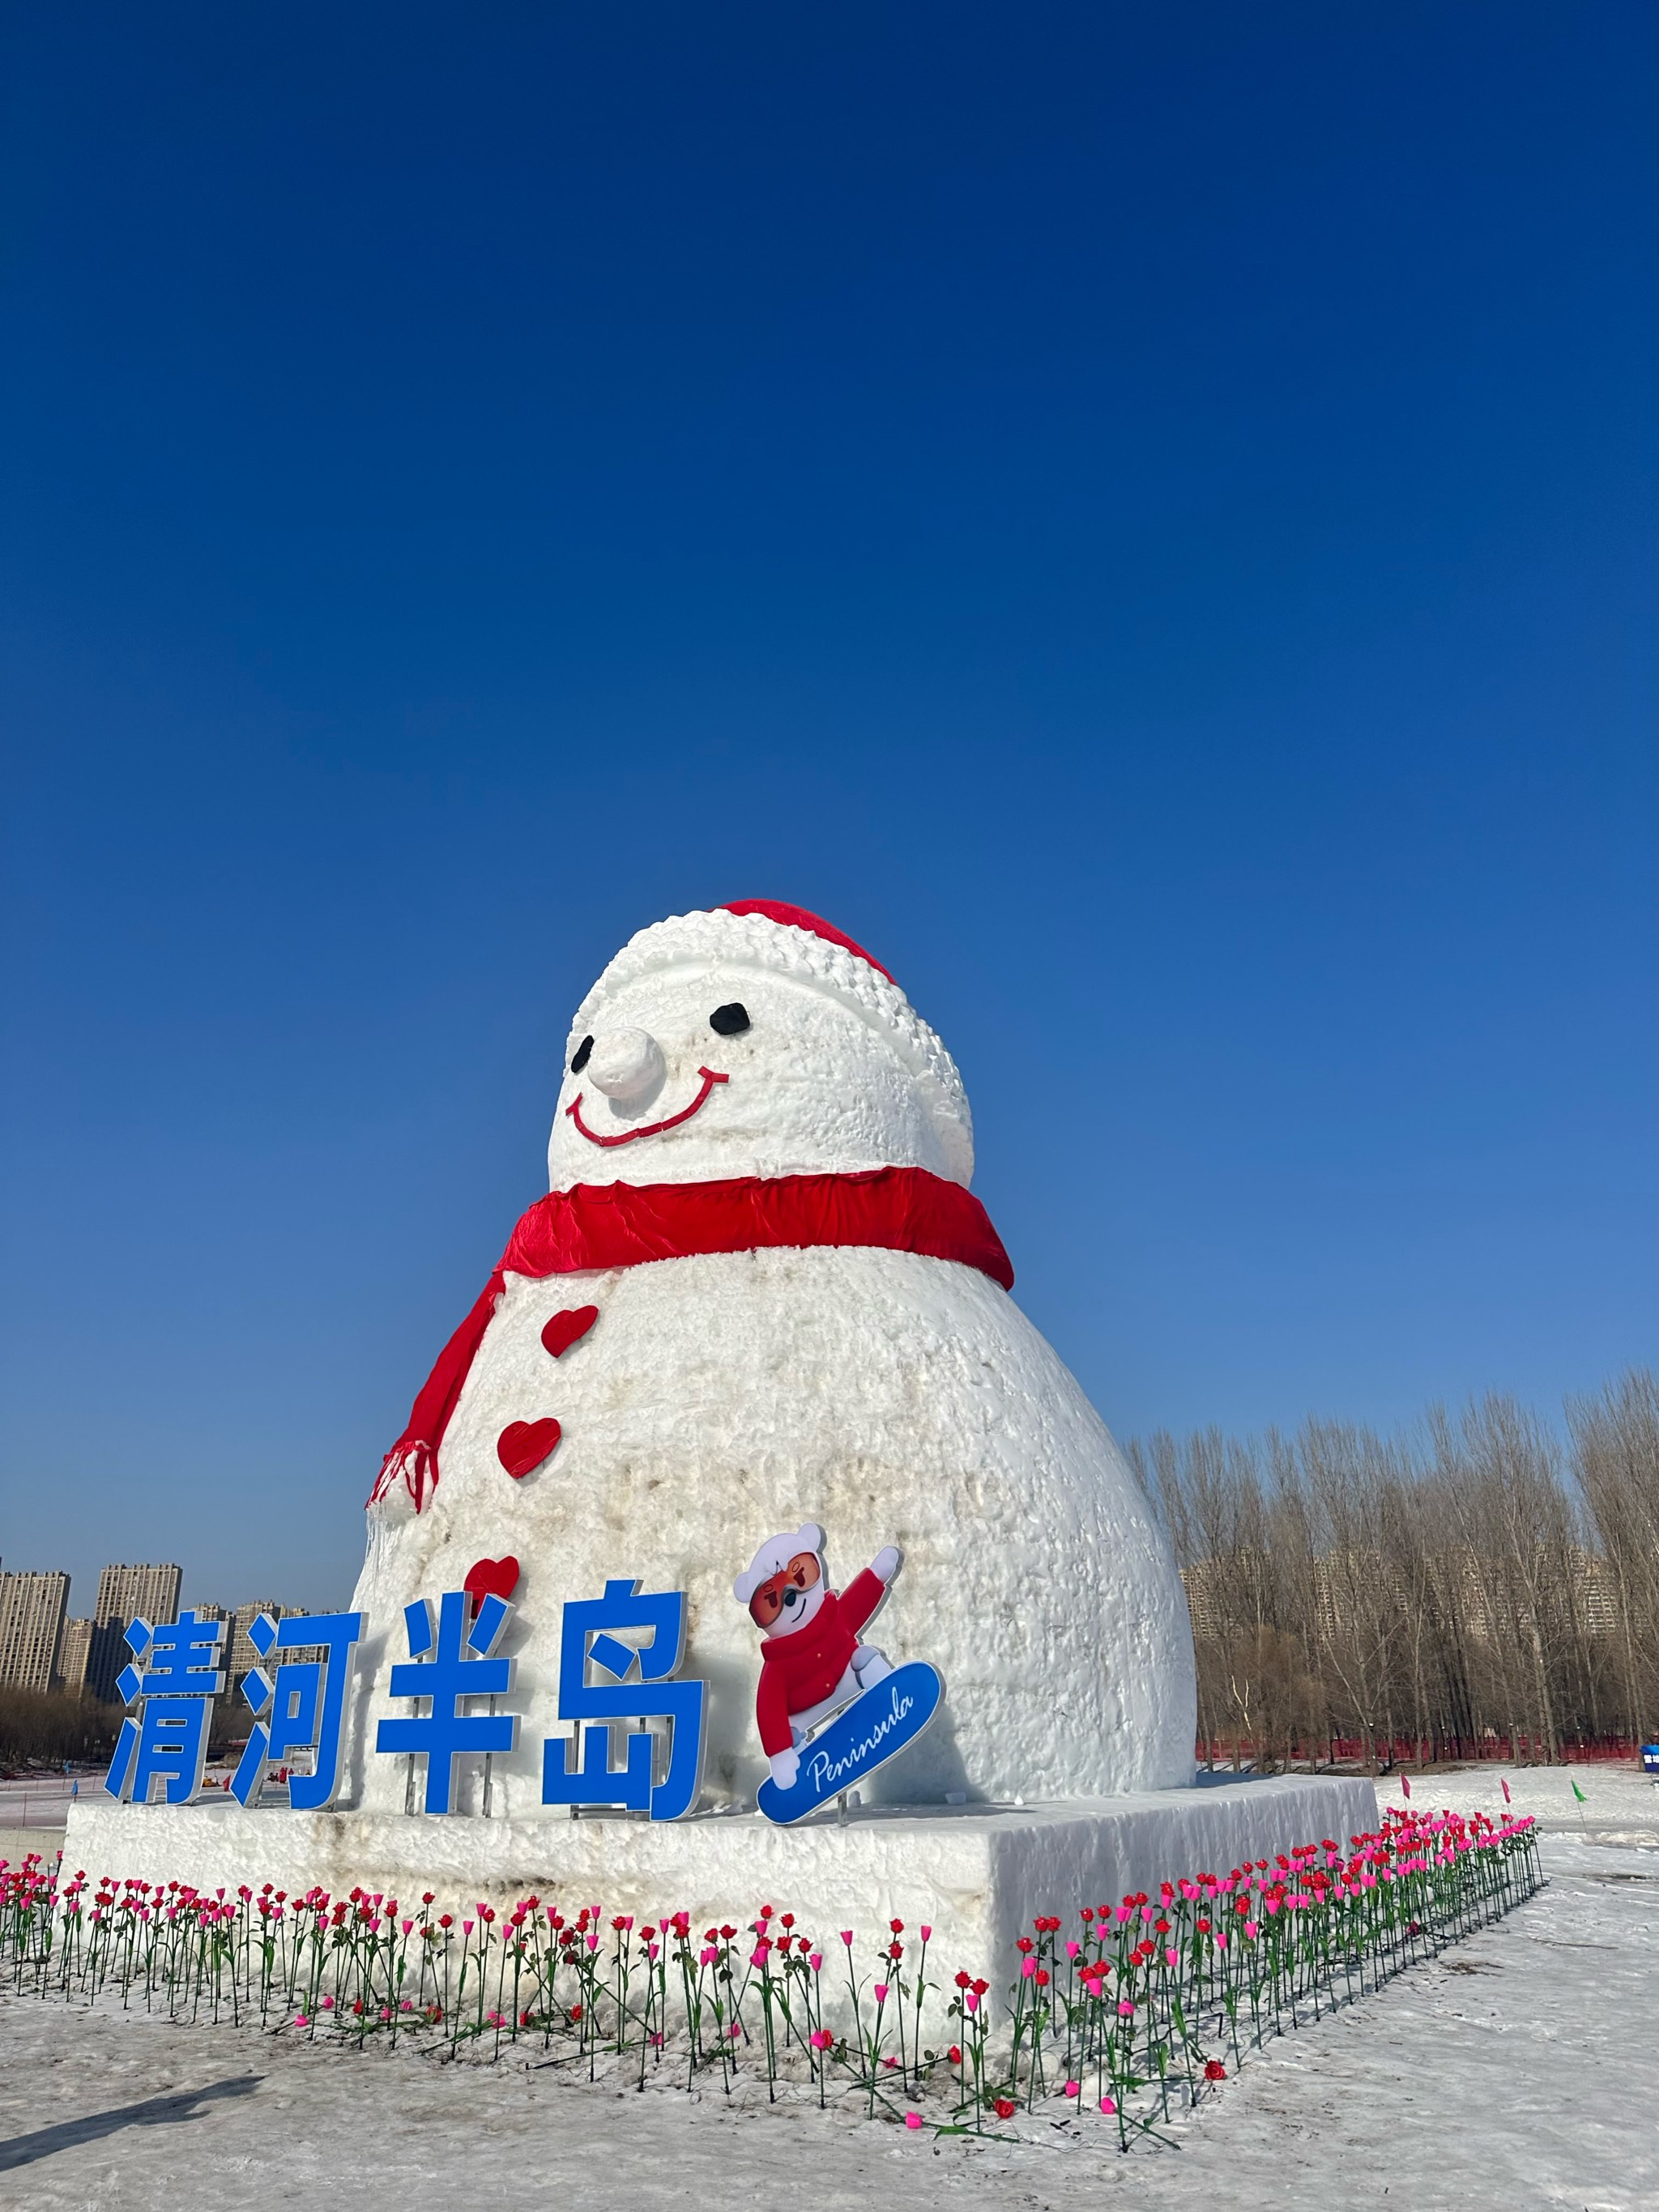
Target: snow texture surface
x=1516 y=2071
x=890 y=1397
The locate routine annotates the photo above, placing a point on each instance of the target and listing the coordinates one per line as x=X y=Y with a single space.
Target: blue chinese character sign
x=173 y=1677
x=301 y=1711
x=445 y=1671
x=832 y=1709
x=578 y=1770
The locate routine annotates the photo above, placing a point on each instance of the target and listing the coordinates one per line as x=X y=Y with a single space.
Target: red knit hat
x=797 y=917
x=788 y=940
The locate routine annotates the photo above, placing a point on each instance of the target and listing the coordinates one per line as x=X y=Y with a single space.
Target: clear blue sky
x=1143 y=516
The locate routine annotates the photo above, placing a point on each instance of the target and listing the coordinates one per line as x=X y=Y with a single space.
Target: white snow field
x=1521 y=2069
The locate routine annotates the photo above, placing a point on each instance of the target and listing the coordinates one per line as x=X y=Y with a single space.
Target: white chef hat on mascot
x=789 y=941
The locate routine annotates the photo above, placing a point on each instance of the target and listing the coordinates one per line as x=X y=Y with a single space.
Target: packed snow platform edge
x=977 y=1874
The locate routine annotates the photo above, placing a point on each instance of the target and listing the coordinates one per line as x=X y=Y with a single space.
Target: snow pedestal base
x=977 y=1874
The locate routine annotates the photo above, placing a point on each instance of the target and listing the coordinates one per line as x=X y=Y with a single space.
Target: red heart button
x=491 y=1578
x=522 y=1445
x=568 y=1329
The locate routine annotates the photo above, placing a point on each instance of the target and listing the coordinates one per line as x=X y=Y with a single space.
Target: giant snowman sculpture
x=759 y=1296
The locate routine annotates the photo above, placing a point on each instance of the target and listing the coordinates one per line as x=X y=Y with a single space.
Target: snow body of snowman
x=759 y=1294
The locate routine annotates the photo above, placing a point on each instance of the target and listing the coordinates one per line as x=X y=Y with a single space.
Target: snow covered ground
x=33 y=1813
x=1520 y=2070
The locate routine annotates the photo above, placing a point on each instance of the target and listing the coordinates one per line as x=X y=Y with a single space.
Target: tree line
x=46 y=1727
x=1482 y=1586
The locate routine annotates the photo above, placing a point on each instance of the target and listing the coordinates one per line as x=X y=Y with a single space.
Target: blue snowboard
x=847 y=1751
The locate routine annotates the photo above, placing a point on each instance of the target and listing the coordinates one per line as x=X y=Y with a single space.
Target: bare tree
x=54 y=1725
x=1459 y=1589
x=1615 y=1440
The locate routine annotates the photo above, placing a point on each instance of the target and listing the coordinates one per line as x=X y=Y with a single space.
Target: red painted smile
x=651 y=1128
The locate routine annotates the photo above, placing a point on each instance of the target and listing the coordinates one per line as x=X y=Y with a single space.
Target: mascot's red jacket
x=800 y=1670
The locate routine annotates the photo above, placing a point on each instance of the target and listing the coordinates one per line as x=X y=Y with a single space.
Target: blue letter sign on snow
x=301 y=1710
x=460 y=1668
x=577 y=1770
x=177 y=1684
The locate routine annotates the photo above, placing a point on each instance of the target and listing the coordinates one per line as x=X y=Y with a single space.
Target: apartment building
x=74 y=1655
x=32 y=1610
x=126 y=1594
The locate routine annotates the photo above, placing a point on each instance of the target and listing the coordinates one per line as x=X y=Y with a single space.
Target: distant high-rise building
x=32 y=1608
x=126 y=1594
x=73 y=1651
x=148 y=1593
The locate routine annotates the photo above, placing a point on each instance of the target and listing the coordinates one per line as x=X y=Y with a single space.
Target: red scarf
x=620 y=1224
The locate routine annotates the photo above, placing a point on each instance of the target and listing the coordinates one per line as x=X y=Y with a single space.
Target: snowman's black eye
x=729 y=1021
x=580 y=1059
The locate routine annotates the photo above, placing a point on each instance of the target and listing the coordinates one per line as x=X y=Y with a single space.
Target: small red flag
x=1406 y=1783
x=1504 y=1787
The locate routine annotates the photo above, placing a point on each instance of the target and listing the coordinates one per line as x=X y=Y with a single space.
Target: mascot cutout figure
x=814 y=1670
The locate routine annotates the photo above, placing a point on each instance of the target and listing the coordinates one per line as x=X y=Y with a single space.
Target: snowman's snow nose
x=625 y=1063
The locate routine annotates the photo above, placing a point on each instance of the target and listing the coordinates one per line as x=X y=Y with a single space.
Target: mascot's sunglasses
x=781 y=1593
